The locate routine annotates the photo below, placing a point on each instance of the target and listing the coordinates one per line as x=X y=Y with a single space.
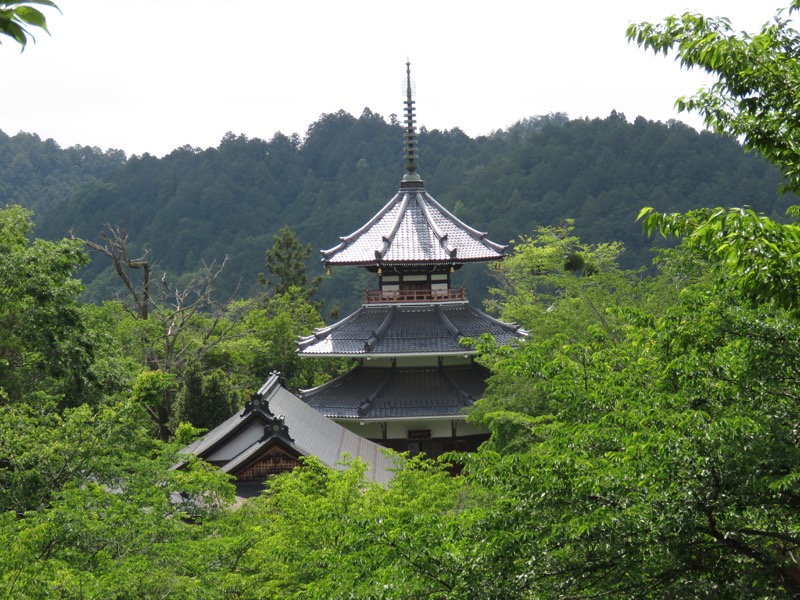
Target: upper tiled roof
x=413 y=228
x=386 y=393
x=392 y=330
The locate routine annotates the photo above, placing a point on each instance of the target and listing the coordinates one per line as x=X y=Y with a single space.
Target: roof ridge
x=333 y=383
x=468 y=400
x=448 y=323
x=443 y=241
x=369 y=401
x=478 y=235
x=269 y=386
x=513 y=327
x=387 y=240
x=319 y=334
x=376 y=335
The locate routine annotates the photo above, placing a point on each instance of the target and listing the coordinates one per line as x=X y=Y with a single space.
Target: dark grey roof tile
x=410 y=392
x=413 y=329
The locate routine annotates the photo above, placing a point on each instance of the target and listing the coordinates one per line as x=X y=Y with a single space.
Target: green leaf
x=31 y=16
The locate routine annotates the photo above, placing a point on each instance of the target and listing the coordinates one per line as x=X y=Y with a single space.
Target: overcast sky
x=153 y=75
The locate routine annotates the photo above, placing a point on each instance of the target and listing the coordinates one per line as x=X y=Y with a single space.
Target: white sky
x=153 y=75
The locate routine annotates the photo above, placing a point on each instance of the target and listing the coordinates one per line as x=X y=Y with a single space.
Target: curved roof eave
x=370 y=355
x=410 y=263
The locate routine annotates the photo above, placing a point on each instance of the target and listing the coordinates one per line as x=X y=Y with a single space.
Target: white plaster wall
x=440 y=428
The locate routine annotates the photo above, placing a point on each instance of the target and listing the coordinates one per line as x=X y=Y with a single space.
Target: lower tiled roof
x=386 y=393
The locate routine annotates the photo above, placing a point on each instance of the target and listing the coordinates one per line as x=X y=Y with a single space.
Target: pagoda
x=413 y=377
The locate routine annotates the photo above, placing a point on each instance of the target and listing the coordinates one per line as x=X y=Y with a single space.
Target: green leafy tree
x=113 y=335
x=642 y=467
x=275 y=328
x=44 y=346
x=205 y=399
x=219 y=400
x=760 y=253
x=555 y=283
x=16 y=17
x=190 y=395
x=753 y=99
x=90 y=505
x=332 y=533
x=174 y=322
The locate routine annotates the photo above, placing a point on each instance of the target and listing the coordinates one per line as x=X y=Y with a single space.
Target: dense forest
x=195 y=206
x=40 y=174
x=644 y=439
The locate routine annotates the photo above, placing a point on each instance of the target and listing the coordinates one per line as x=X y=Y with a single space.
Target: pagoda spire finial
x=411 y=131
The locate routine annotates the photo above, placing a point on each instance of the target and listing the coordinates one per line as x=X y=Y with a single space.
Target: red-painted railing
x=378 y=296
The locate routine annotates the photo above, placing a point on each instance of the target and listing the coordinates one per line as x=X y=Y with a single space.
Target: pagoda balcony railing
x=448 y=295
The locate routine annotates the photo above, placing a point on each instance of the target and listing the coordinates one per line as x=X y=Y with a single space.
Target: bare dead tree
x=189 y=315
x=115 y=246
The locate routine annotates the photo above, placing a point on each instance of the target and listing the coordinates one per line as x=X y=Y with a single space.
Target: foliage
x=574 y=284
x=90 y=506
x=760 y=254
x=41 y=174
x=653 y=465
x=16 y=16
x=754 y=97
x=329 y=533
x=205 y=399
x=150 y=386
x=175 y=323
x=44 y=345
x=113 y=336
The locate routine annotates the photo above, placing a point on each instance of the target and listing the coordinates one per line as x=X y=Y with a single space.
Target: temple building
x=413 y=377
x=270 y=434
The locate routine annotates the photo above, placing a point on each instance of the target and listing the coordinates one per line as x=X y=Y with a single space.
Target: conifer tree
x=286 y=265
x=205 y=401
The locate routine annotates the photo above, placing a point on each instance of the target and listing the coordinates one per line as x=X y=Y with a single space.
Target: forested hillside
x=38 y=174
x=199 y=205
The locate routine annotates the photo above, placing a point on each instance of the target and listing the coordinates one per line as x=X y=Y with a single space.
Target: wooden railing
x=378 y=296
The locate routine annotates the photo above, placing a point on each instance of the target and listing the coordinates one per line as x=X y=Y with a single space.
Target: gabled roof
x=278 y=416
x=391 y=330
x=386 y=393
x=413 y=228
